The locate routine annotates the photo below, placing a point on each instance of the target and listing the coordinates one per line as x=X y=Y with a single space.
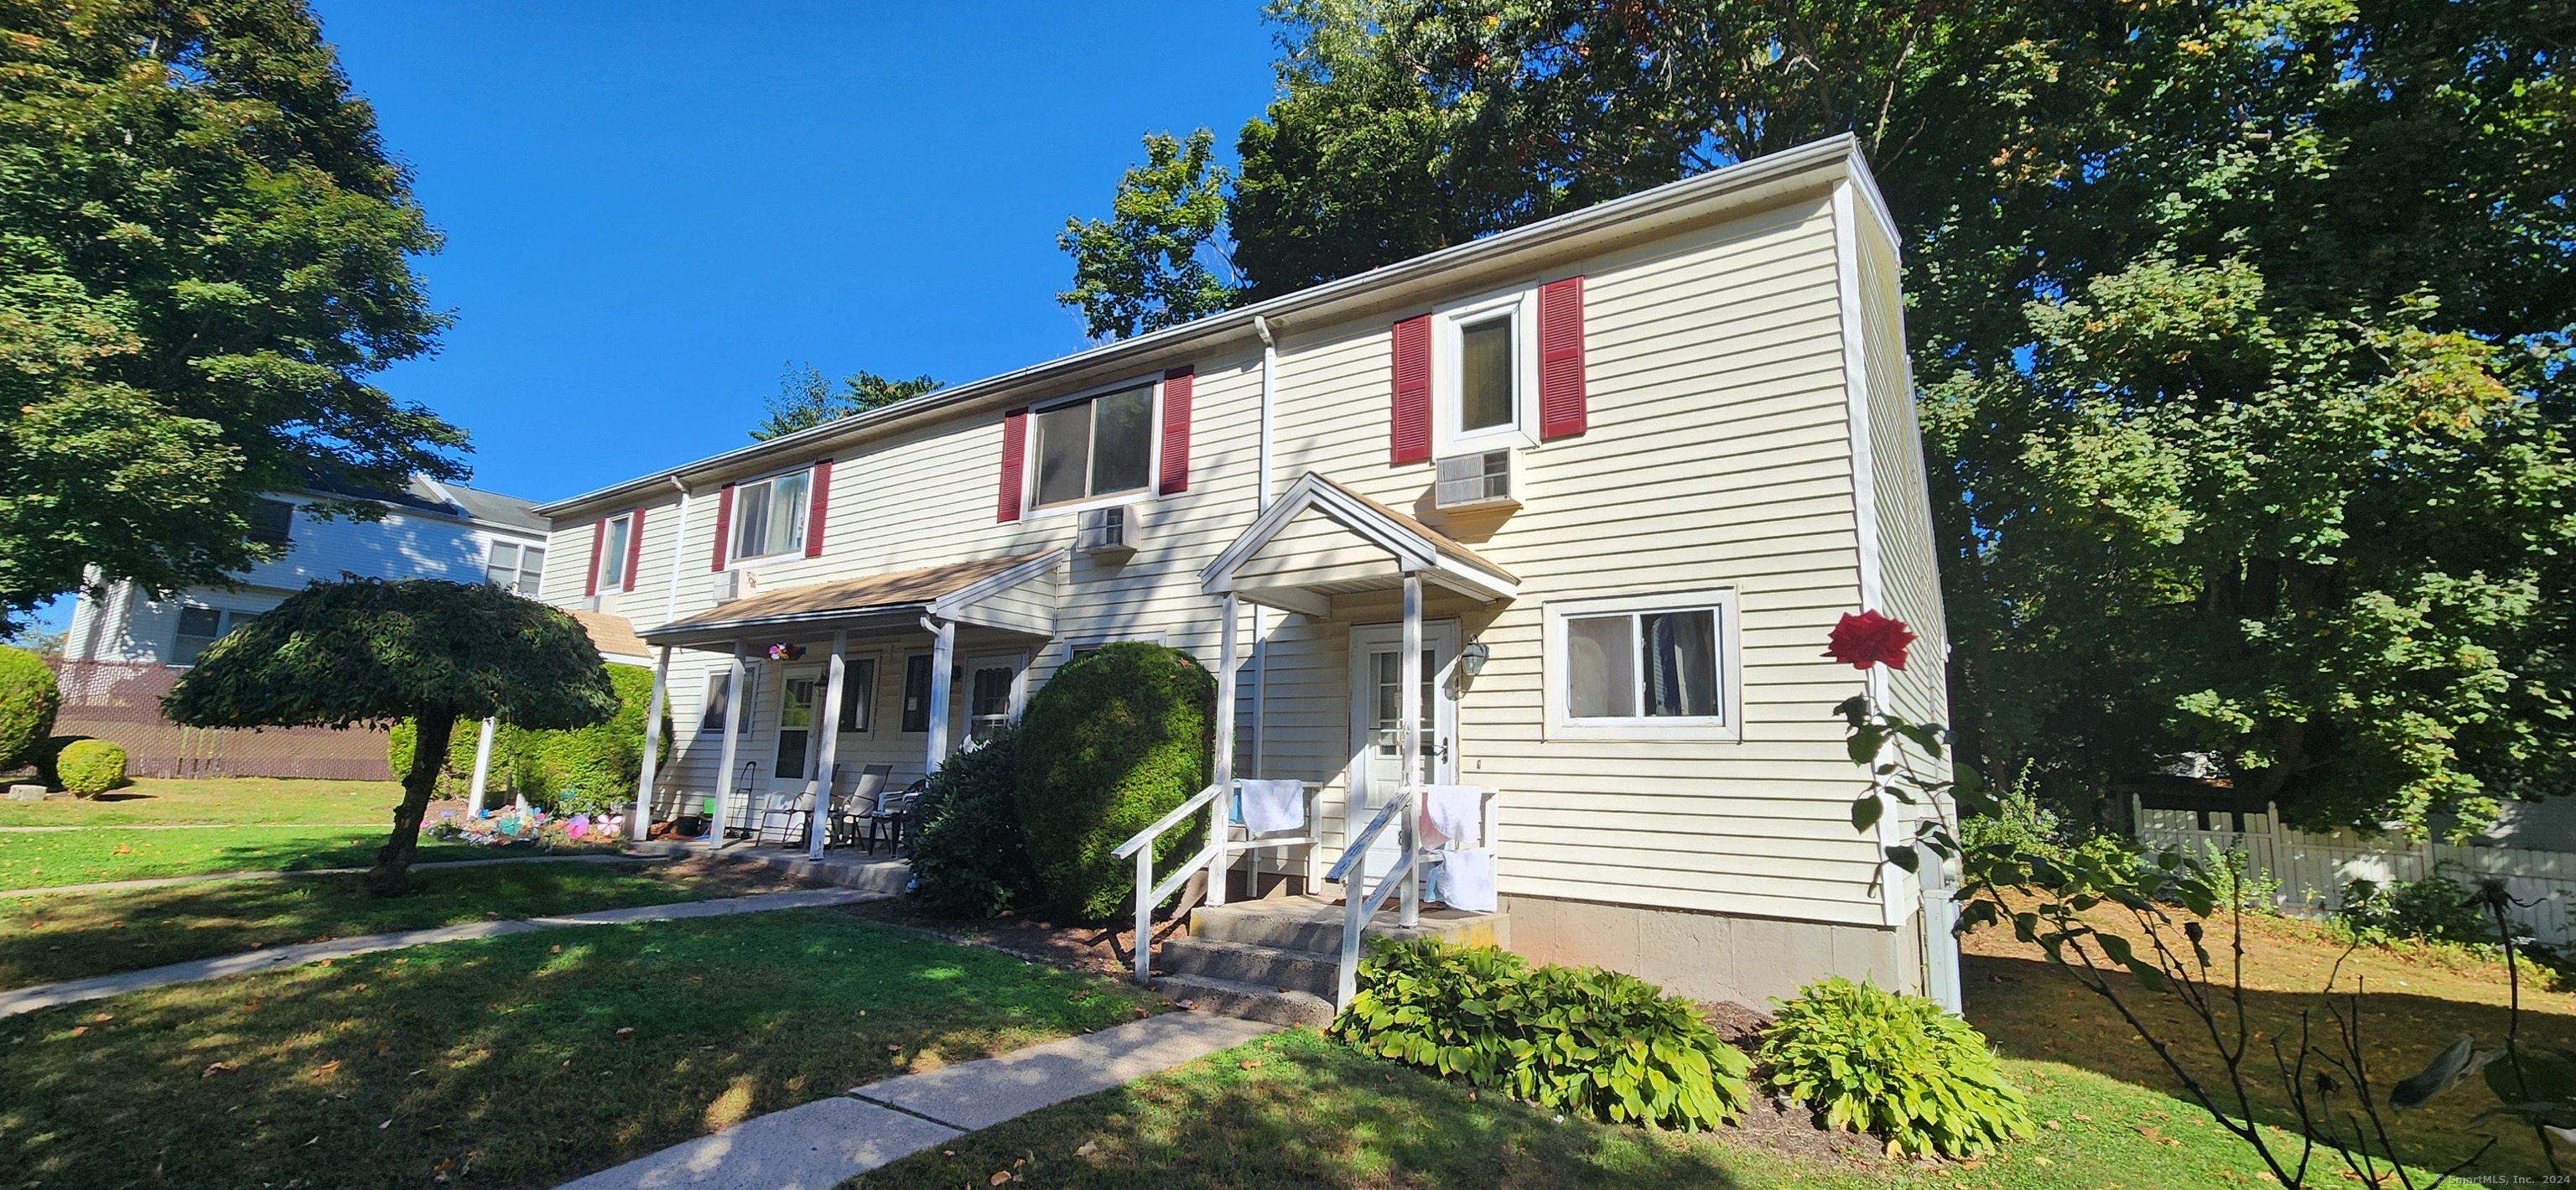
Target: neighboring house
x=1631 y=462
x=429 y=530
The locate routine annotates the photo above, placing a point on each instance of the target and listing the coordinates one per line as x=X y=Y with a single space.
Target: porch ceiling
x=964 y=592
x=1322 y=539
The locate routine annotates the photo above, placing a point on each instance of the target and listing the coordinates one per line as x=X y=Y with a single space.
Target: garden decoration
x=2320 y=1067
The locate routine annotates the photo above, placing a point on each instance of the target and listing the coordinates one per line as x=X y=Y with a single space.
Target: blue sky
x=649 y=209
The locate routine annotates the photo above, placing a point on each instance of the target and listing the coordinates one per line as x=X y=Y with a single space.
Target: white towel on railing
x=1269 y=807
x=1452 y=815
x=1467 y=879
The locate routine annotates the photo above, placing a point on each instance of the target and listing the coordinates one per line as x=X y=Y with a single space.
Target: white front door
x=791 y=762
x=1377 y=717
x=992 y=691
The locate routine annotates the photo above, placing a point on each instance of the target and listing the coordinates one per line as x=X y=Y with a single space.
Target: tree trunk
x=392 y=873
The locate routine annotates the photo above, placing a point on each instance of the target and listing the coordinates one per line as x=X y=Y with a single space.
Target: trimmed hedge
x=1579 y=1039
x=89 y=767
x=456 y=776
x=29 y=697
x=1894 y=1066
x=584 y=769
x=1112 y=742
x=967 y=856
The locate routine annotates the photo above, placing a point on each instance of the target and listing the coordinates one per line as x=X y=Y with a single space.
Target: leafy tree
x=1158 y=260
x=205 y=251
x=805 y=400
x=2242 y=329
x=366 y=650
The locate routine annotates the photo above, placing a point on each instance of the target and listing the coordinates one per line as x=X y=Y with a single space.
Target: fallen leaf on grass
x=104 y=1017
x=77 y=1030
x=324 y=1070
x=1247 y=1065
x=1088 y=1148
x=626 y=1034
x=214 y=1068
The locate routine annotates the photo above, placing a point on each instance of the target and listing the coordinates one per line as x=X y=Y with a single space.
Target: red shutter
x=724 y=525
x=1409 y=440
x=634 y=547
x=822 y=502
x=1176 y=429
x=1015 y=438
x=598 y=542
x=1560 y=359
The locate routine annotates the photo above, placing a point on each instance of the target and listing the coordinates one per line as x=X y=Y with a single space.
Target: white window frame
x=1520 y=305
x=743 y=709
x=862 y=694
x=228 y=620
x=903 y=687
x=1558 y=672
x=518 y=568
x=1030 y=453
x=613 y=545
x=733 y=521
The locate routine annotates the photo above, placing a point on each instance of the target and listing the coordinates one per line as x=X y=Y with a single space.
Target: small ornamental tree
x=370 y=651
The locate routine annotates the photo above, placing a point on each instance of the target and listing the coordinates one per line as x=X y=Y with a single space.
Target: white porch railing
x=1215 y=857
x=1360 y=902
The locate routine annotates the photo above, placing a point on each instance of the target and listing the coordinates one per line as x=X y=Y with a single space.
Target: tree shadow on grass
x=1295 y=1110
x=2030 y=1009
x=504 y=1055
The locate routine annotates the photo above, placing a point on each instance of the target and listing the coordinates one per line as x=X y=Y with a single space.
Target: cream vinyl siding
x=1719 y=455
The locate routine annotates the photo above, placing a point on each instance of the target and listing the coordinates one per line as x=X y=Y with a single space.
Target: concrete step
x=1261 y=966
x=1252 y=1002
x=1315 y=924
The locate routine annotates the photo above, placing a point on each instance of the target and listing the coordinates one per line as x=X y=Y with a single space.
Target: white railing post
x=1144 y=914
x=482 y=769
x=1410 y=749
x=1354 y=892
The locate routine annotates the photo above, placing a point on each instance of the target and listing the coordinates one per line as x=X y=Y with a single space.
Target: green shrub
x=2431 y=910
x=89 y=767
x=1894 y=1066
x=456 y=776
x=28 y=699
x=43 y=755
x=582 y=770
x=1111 y=743
x=967 y=856
x=1582 y=1040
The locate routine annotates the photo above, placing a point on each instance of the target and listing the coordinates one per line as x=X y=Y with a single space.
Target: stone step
x=1314 y=924
x=1252 y=1002
x=1261 y=966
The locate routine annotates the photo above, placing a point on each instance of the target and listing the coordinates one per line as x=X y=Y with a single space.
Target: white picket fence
x=2313 y=869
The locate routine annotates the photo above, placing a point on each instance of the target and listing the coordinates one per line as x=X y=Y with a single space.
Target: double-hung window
x=1094 y=448
x=272 y=522
x=1484 y=373
x=1643 y=667
x=515 y=567
x=200 y=627
x=612 y=552
x=916 y=692
x=859 y=696
x=769 y=515
x=719 y=697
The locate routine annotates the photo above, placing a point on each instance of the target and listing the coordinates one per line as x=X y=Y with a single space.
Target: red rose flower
x=1868 y=639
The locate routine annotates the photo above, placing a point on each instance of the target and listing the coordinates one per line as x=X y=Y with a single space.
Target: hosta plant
x=1894 y=1066
x=1582 y=1040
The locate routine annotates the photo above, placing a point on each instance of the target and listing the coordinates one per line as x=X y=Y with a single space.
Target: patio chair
x=890 y=815
x=850 y=810
x=787 y=817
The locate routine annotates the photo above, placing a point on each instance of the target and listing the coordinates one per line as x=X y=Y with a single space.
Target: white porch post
x=733 y=711
x=1410 y=787
x=817 y=822
x=482 y=766
x=1224 y=758
x=943 y=660
x=653 y=707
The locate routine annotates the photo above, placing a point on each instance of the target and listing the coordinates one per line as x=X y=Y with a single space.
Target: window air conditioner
x=1107 y=531
x=1476 y=480
x=732 y=585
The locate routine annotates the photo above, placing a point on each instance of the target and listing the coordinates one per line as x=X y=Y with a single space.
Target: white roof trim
x=948 y=605
x=1412 y=551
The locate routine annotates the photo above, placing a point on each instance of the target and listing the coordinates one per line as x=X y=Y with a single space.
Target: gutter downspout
x=1261 y=504
x=679 y=546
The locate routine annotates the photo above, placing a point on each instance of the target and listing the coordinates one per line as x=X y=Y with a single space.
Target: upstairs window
x=1096 y=447
x=769 y=516
x=612 y=552
x=272 y=522
x=515 y=568
x=1642 y=667
x=1485 y=372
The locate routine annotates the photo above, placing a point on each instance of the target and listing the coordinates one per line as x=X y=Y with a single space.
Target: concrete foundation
x=1712 y=956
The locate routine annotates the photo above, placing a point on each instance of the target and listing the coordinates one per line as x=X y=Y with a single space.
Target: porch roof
x=614 y=636
x=896 y=601
x=1409 y=545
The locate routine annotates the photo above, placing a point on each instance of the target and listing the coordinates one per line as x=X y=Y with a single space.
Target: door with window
x=800 y=692
x=1377 y=720
x=992 y=691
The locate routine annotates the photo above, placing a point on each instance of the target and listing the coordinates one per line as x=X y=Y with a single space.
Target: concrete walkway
x=824 y=1143
x=435 y=865
x=71 y=991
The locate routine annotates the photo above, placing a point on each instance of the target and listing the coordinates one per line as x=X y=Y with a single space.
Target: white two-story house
x=1619 y=472
x=429 y=530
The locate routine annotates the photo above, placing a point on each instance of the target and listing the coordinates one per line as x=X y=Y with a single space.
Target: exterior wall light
x=1471 y=660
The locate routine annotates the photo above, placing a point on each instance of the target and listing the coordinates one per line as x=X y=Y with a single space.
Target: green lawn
x=498 y=1062
x=1296 y=1110
x=43 y=939
x=48 y=859
x=232 y=800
